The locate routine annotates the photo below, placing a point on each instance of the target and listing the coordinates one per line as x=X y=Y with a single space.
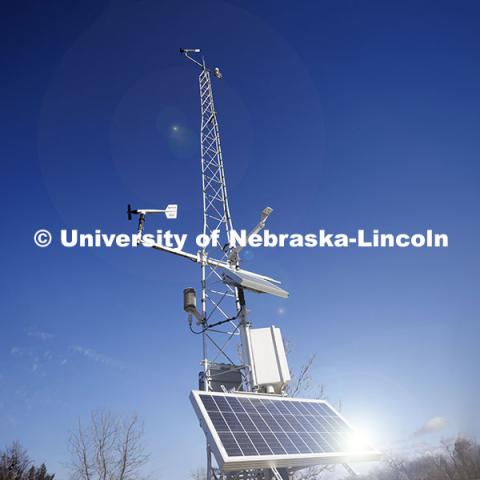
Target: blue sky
x=340 y=115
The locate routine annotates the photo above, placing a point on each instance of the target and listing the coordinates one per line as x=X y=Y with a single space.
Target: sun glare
x=357 y=441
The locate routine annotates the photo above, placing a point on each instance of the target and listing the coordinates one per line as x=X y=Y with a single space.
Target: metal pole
x=216 y=216
x=204 y=253
x=244 y=328
x=209 y=463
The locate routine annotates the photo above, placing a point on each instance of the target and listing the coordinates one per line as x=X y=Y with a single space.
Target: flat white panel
x=281 y=355
x=254 y=283
x=269 y=359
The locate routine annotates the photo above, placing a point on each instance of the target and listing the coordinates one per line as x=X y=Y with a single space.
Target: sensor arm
x=174 y=251
x=147 y=211
x=170 y=211
x=233 y=257
x=186 y=52
x=198 y=259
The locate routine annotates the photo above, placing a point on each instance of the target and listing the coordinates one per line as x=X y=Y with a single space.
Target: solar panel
x=249 y=281
x=262 y=431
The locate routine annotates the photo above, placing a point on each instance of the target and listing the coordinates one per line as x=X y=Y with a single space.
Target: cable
x=212 y=325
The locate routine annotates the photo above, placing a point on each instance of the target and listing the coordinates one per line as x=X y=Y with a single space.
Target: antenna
x=218 y=301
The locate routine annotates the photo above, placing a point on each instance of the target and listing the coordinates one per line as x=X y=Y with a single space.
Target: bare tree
x=15 y=464
x=300 y=384
x=199 y=474
x=455 y=460
x=108 y=448
x=464 y=456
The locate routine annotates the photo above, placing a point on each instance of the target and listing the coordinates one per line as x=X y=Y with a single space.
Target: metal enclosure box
x=269 y=361
x=222 y=374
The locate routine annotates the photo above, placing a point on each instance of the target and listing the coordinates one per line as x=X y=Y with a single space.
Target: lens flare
x=357 y=442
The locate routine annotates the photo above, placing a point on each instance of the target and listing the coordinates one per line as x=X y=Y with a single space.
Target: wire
x=213 y=325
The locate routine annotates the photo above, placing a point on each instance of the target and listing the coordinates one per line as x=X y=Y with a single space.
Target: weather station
x=253 y=429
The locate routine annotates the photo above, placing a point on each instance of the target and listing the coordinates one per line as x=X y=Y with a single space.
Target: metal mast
x=223 y=315
x=221 y=303
x=218 y=299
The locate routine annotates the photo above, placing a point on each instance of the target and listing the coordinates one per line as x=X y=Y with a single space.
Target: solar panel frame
x=276 y=447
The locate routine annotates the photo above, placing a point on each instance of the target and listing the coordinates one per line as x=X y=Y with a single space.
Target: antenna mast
x=223 y=316
x=220 y=302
